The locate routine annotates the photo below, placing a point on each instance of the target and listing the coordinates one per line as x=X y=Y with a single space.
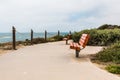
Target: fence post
x=58 y=33
x=14 y=37
x=31 y=36
x=45 y=35
x=70 y=33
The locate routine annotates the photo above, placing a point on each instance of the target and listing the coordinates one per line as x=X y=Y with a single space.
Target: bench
x=81 y=44
x=67 y=38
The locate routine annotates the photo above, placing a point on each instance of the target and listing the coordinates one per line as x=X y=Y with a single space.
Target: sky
x=54 y=15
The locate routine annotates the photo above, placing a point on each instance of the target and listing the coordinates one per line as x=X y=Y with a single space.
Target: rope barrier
x=20 y=33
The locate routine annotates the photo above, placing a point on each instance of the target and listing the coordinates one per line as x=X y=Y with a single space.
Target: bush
x=108 y=26
x=111 y=54
x=113 y=69
x=99 y=37
x=38 y=40
x=56 y=38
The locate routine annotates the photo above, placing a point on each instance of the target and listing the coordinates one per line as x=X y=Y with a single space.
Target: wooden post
x=45 y=36
x=58 y=33
x=31 y=36
x=70 y=33
x=14 y=37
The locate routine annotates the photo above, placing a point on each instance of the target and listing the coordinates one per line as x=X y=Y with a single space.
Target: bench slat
x=82 y=42
x=80 y=45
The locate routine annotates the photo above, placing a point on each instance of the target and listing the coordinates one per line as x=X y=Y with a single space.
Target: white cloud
x=55 y=14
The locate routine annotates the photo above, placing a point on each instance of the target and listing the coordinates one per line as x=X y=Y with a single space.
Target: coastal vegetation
x=99 y=37
x=110 y=56
x=108 y=26
x=113 y=69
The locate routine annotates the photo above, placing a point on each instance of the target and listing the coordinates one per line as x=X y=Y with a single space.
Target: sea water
x=7 y=37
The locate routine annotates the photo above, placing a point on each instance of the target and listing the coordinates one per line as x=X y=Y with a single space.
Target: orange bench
x=81 y=44
x=67 y=38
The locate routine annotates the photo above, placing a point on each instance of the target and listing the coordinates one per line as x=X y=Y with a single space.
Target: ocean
x=7 y=37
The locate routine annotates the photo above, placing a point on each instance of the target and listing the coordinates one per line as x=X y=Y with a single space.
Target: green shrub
x=113 y=69
x=108 y=26
x=111 y=54
x=38 y=40
x=56 y=38
x=99 y=37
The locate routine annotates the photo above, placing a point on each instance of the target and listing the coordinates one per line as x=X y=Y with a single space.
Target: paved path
x=51 y=61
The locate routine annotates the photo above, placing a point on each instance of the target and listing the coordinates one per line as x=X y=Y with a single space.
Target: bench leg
x=77 y=53
x=66 y=42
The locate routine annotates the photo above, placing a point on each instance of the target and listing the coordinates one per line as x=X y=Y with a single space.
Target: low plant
x=99 y=37
x=56 y=38
x=111 y=54
x=113 y=69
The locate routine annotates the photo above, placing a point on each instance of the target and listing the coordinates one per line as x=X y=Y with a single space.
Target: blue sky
x=54 y=15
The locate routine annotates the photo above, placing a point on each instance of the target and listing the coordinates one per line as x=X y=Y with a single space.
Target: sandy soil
x=51 y=61
x=5 y=50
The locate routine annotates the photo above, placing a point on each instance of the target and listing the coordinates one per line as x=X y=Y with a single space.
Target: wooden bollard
x=45 y=36
x=58 y=33
x=14 y=37
x=31 y=36
x=70 y=33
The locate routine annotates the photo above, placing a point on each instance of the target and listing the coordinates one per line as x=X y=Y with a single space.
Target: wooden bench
x=81 y=44
x=67 y=38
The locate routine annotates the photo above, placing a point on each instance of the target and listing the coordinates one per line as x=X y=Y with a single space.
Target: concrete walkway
x=51 y=61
